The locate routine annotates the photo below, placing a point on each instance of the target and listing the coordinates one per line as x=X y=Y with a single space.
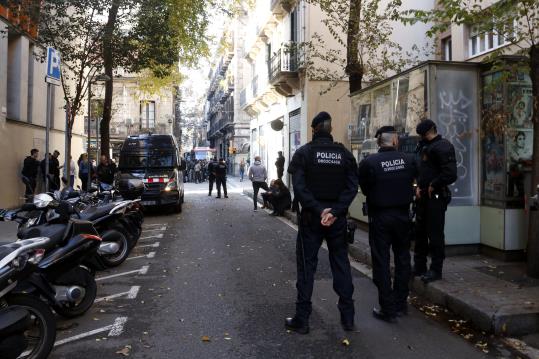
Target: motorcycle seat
x=4 y=251
x=94 y=213
x=56 y=232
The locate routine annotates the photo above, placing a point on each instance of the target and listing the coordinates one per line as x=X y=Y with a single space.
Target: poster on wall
x=519 y=160
x=521 y=106
x=494 y=171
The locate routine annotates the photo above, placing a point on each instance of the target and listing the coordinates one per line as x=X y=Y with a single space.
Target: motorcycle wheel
x=42 y=334
x=72 y=310
x=116 y=236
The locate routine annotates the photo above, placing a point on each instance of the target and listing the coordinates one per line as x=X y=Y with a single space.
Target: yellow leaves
x=125 y=351
x=206 y=339
x=345 y=342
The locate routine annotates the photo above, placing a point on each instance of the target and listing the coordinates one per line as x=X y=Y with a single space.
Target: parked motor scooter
x=27 y=324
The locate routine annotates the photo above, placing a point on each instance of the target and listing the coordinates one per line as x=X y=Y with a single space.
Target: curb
x=511 y=320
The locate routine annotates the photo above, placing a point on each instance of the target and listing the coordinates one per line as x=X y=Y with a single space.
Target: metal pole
x=47 y=136
x=89 y=134
x=97 y=141
x=67 y=150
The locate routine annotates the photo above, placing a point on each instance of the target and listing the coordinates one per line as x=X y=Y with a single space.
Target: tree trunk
x=354 y=69
x=533 y=230
x=108 y=64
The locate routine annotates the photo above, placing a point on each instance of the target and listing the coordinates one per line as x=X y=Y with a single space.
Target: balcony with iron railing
x=284 y=69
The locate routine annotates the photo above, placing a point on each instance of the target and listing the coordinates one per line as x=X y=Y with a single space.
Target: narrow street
x=218 y=280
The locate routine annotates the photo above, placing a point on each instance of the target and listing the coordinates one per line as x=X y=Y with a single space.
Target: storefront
x=487 y=115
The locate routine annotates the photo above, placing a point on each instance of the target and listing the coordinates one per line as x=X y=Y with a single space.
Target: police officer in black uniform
x=437 y=170
x=324 y=176
x=387 y=179
x=211 y=174
x=220 y=177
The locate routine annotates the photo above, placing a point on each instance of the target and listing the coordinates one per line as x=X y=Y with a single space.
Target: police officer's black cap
x=385 y=129
x=321 y=117
x=425 y=126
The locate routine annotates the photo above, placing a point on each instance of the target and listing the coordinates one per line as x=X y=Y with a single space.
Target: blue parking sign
x=53 y=66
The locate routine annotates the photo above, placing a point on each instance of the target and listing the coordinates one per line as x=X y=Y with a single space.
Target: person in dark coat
x=106 y=170
x=220 y=177
x=29 y=172
x=54 y=171
x=280 y=198
x=280 y=165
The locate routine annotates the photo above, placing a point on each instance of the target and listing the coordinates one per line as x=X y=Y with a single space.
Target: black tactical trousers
x=310 y=236
x=389 y=229
x=220 y=181
x=430 y=222
x=211 y=180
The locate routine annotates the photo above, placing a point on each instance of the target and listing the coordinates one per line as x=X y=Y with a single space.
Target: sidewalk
x=495 y=296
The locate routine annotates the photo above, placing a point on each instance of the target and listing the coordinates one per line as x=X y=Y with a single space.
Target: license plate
x=149 y=203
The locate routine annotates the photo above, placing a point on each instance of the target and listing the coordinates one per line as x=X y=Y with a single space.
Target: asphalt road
x=218 y=280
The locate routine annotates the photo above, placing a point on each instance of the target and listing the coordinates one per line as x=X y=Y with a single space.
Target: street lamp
x=96 y=78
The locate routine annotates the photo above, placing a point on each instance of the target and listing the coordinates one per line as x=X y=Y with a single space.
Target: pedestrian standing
x=258 y=175
x=220 y=177
x=85 y=168
x=387 y=179
x=325 y=180
x=280 y=165
x=72 y=172
x=197 y=168
x=211 y=174
x=242 y=169
x=437 y=170
x=54 y=171
x=29 y=172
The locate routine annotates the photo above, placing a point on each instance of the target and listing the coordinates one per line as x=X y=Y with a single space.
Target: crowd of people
x=34 y=171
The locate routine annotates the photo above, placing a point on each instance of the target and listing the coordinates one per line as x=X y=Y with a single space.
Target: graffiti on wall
x=456 y=104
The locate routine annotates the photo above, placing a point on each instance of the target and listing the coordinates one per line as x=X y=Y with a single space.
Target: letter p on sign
x=53 y=66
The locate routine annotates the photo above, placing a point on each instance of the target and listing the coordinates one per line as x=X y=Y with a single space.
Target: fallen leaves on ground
x=345 y=342
x=206 y=339
x=125 y=351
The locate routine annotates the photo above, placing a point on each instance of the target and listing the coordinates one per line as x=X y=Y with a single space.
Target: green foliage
x=376 y=54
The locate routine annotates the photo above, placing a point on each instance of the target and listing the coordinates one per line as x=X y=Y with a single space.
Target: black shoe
x=348 y=325
x=275 y=214
x=417 y=272
x=381 y=315
x=403 y=312
x=296 y=325
x=226 y=196
x=431 y=276
x=218 y=197
x=209 y=194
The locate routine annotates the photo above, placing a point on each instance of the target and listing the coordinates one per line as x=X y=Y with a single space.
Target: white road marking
x=156 y=236
x=155 y=245
x=130 y=294
x=149 y=255
x=114 y=330
x=154 y=225
x=117 y=327
x=140 y=271
x=154 y=229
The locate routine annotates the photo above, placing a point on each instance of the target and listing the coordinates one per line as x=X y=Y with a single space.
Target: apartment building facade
x=23 y=106
x=486 y=113
x=276 y=93
x=133 y=110
x=227 y=127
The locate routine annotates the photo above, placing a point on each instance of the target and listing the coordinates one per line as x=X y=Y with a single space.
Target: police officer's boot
x=383 y=315
x=297 y=325
x=431 y=276
x=348 y=324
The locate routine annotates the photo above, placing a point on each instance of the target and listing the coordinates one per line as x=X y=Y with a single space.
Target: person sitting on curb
x=266 y=196
x=280 y=198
